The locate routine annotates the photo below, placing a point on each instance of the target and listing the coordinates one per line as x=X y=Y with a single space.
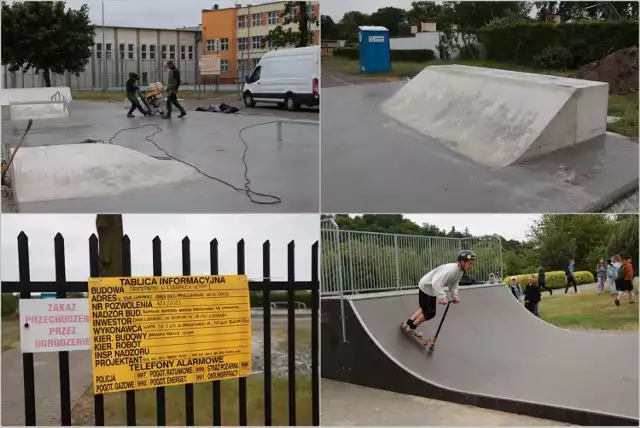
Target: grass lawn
x=588 y=311
x=115 y=404
x=624 y=106
x=279 y=336
x=10 y=332
x=119 y=96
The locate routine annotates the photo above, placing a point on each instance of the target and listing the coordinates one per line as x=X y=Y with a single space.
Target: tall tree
x=328 y=28
x=392 y=18
x=44 y=37
x=110 y=233
x=295 y=12
x=424 y=11
x=349 y=25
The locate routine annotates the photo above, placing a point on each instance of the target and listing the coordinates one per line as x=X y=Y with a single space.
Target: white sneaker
x=404 y=327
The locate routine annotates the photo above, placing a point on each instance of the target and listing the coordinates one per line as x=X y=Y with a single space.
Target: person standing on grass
x=532 y=296
x=611 y=277
x=542 y=280
x=570 y=278
x=624 y=281
x=515 y=289
x=601 y=272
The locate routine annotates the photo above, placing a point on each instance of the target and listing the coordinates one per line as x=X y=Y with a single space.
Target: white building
x=124 y=50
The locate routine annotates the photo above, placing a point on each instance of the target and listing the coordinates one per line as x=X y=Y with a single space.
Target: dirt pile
x=619 y=70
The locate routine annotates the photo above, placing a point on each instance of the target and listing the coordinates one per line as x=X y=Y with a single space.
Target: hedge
x=554 y=279
x=563 y=46
x=281 y=296
x=10 y=304
x=418 y=55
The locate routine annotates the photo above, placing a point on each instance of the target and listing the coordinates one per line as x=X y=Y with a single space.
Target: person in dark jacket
x=131 y=88
x=532 y=296
x=173 y=85
x=542 y=281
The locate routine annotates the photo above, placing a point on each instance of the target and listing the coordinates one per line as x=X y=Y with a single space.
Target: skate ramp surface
x=497 y=117
x=491 y=353
x=89 y=170
x=372 y=163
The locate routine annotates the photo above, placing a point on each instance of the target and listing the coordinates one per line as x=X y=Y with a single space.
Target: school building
x=237 y=33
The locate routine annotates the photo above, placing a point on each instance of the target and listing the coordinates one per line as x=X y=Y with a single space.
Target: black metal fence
x=61 y=287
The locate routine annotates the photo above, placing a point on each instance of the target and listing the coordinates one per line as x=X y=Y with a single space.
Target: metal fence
x=354 y=262
x=111 y=73
x=61 y=287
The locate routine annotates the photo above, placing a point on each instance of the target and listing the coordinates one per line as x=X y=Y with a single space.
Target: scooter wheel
x=431 y=348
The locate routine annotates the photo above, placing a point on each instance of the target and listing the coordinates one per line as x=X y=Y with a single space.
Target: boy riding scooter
x=431 y=290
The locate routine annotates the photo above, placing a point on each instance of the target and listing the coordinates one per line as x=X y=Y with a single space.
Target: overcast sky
x=152 y=14
x=201 y=229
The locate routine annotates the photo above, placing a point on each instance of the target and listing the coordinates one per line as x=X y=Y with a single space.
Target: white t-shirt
x=434 y=282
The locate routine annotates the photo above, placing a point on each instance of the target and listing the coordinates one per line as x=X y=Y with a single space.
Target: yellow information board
x=163 y=331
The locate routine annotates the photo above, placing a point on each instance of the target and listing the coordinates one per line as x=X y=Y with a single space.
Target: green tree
x=328 y=28
x=44 y=37
x=349 y=25
x=295 y=12
x=424 y=11
x=110 y=232
x=392 y=18
x=624 y=239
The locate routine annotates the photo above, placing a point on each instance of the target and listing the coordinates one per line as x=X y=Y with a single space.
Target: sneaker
x=617 y=302
x=130 y=116
x=166 y=117
x=183 y=114
x=404 y=327
x=578 y=292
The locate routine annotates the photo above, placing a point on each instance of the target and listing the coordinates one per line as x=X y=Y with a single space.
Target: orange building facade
x=237 y=34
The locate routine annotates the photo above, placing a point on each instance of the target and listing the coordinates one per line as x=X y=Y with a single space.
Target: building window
x=256 y=19
x=172 y=52
x=224 y=65
x=273 y=17
x=309 y=11
x=242 y=67
x=164 y=51
x=121 y=50
x=242 y=21
x=211 y=45
x=255 y=62
x=143 y=52
x=183 y=52
x=256 y=42
x=152 y=51
x=190 y=52
x=243 y=44
x=109 y=48
x=130 y=51
x=224 y=44
x=99 y=50
x=291 y=14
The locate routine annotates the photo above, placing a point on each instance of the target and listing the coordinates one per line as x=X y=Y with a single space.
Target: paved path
x=346 y=404
x=47 y=382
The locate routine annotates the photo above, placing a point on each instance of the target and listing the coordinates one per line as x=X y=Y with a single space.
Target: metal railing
x=355 y=262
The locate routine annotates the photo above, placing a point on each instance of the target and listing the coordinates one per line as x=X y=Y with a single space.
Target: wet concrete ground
x=370 y=163
x=209 y=141
x=345 y=404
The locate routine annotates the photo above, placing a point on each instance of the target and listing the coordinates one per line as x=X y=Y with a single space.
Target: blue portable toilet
x=374 y=49
x=48 y=295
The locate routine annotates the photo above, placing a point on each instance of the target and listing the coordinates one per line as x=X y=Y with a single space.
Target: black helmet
x=465 y=255
x=133 y=75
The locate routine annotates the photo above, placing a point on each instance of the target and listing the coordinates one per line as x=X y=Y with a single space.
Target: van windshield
x=255 y=76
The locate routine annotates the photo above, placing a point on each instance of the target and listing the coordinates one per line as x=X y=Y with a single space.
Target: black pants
x=544 y=287
x=571 y=280
x=427 y=304
x=135 y=104
x=172 y=100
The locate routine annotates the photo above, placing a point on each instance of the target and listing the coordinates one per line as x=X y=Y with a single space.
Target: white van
x=287 y=77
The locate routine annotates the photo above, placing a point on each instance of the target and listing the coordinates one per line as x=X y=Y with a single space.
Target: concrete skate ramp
x=22 y=104
x=89 y=170
x=491 y=353
x=497 y=117
x=372 y=163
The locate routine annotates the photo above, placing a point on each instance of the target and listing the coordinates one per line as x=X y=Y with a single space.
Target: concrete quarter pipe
x=491 y=353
